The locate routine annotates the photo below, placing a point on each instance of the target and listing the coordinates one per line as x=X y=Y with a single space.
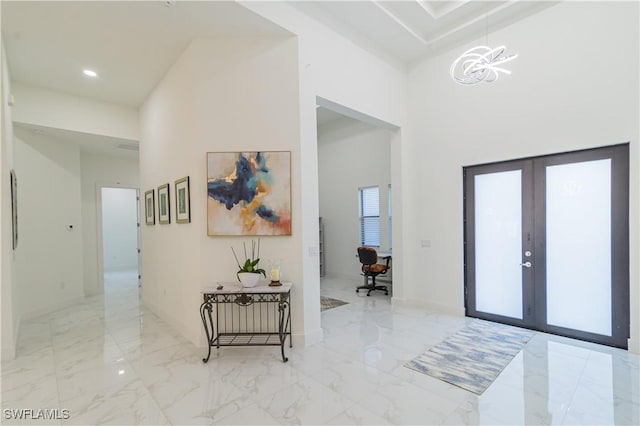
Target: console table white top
x=235 y=288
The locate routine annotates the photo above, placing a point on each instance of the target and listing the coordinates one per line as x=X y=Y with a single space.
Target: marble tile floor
x=111 y=361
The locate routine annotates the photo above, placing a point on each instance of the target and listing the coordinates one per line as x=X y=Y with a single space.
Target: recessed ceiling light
x=90 y=73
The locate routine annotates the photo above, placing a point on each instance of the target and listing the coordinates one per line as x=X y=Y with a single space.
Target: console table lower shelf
x=247 y=316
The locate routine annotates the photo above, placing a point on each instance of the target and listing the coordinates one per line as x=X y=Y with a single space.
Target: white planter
x=249 y=279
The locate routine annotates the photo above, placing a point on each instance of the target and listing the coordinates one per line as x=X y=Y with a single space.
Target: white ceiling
x=410 y=30
x=132 y=44
x=96 y=144
x=325 y=116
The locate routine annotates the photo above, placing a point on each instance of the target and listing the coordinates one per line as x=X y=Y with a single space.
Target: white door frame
x=99 y=237
x=395 y=160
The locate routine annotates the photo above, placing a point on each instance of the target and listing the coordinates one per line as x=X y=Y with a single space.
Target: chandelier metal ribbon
x=480 y=64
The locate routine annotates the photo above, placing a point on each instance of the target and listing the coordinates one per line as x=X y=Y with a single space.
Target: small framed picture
x=149 y=207
x=164 y=211
x=183 y=201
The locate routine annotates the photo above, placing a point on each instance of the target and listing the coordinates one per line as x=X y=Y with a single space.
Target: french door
x=547 y=243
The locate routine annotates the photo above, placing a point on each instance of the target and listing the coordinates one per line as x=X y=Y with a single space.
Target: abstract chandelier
x=480 y=64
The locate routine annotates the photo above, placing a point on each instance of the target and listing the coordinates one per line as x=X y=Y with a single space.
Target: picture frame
x=150 y=207
x=183 y=200
x=164 y=206
x=14 y=208
x=249 y=193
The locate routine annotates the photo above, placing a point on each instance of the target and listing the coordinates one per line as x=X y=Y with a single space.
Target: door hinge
x=138 y=251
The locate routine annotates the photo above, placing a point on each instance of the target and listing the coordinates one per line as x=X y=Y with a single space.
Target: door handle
x=526 y=264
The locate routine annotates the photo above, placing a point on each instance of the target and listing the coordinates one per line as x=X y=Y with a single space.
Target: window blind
x=369 y=209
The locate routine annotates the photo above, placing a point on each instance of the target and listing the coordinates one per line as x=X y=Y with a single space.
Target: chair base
x=372 y=288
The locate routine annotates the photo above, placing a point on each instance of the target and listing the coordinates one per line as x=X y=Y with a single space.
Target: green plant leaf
x=250 y=264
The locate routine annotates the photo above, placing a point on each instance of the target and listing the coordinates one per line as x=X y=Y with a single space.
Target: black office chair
x=371 y=268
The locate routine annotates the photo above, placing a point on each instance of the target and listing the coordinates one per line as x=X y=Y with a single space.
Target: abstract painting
x=249 y=193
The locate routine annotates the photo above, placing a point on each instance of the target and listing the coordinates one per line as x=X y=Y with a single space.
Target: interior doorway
x=120 y=236
x=547 y=243
x=354 y=158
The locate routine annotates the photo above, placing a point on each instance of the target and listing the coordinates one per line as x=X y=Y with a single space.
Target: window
x=369 y=210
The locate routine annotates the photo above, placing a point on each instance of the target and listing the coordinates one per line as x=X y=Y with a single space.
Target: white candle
x=275 y=274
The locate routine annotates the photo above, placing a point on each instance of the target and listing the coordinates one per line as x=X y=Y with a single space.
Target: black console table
x=247 y=316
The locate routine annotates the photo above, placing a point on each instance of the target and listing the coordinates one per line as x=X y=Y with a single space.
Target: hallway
x=109 y=361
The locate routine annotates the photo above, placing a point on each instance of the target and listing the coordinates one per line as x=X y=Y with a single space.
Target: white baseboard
x=16 y=331
x=633 y=344
x=194 y=336
x=50 y=309
x=92 y=292
x=8 y=351
x=382 y=279
x=198 y=338
x=309 y=339
x=428 y=306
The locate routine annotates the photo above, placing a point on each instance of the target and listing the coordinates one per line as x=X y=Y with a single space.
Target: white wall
x=98 y=171
x=222 y=94
x=49 y=260
x=562 y=96
x=10 y=315
x=351 y=155
x=119 y=229
x=58 y=110
x=334 y=68
x=339 y=70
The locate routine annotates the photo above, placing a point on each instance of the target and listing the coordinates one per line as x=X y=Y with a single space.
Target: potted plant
x=248 y=271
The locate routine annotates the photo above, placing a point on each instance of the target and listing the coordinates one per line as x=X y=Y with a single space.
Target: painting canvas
x=183 y=207
x=149 y=207
x=164 y=212
x=249 y=193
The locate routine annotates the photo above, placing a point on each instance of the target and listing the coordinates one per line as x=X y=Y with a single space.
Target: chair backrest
x=367 y=255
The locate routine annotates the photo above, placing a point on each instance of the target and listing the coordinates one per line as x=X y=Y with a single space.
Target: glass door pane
x=498 y=243
x=578 y=246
